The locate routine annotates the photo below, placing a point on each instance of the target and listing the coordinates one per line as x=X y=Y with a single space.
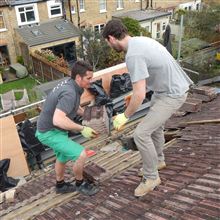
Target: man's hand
x=88 y=132
x=119 y=121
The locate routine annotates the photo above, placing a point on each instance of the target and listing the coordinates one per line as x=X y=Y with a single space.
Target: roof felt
x=47 y=32
x=141 y=15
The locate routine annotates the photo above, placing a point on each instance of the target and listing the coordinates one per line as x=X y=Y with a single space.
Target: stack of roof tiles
x=96 y=117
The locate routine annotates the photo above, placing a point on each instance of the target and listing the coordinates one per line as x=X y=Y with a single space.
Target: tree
x=93 y=49
x=134 y=27
x=203 y=24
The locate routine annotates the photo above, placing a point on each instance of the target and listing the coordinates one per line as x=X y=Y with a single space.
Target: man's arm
x=139 y=92
x=80 y=111
x=62 y=121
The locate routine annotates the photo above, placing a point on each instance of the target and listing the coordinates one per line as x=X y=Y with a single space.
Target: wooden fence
x=48 y=71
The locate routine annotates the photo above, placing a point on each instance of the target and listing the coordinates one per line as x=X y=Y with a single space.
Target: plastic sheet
x=6 y=182
x=120 y=84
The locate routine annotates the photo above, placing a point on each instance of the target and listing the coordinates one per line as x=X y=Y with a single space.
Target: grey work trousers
x=149 y=134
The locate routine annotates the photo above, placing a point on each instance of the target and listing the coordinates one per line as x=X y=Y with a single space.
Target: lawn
x=25 y=83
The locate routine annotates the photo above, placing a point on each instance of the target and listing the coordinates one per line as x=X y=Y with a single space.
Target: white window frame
x=158 y=30
x=100 y=27
x=102 y=6
x=73 y=9
x=120 y=4
x=81 y=5
x=4 y=28
x=54 y=4
x=137 y=0
x=35 y=9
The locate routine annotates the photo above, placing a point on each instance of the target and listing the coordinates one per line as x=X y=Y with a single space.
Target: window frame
x=119 y=5
x=99 y=27
x=102 y=2
x=3 y=21
x=54 y=3
x=18 y=14
x=82 y=3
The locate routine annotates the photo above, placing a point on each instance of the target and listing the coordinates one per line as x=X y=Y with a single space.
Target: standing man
x=56 y=119
x=149 y=65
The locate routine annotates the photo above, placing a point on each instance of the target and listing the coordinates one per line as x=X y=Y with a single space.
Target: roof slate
x=141 y=15
x=47 y=32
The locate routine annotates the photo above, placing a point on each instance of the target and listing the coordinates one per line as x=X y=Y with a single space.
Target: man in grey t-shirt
x=56 y=119
x=149 y=64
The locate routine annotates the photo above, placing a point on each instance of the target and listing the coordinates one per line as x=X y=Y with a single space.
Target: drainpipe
x=69 y=5
x=64 y=11
x=141 y=5
x=180 y=38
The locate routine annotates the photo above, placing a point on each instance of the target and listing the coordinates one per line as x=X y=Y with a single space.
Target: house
x=191 y=5
x=153 y=21
x=23 y=24
x=15 y=14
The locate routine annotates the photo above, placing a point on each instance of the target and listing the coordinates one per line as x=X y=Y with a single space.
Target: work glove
x=119 y=121
x=88 y=132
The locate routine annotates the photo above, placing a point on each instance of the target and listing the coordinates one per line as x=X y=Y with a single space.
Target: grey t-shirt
x=148 y=59
x=66 y=97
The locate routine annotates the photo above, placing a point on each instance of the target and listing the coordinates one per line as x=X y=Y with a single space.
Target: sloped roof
x=189 y=188
x=141 y=15
x=17 y=2
x=54 y=30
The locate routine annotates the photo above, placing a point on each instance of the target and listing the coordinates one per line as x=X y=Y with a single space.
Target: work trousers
x=149 y=134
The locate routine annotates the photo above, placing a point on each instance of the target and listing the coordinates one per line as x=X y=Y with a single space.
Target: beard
x=117 y=48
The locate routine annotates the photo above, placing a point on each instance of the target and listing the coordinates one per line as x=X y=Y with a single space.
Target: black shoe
x=66 y=188
x=88 y=189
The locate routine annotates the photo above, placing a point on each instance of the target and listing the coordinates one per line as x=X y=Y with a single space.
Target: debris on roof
x=190 y=182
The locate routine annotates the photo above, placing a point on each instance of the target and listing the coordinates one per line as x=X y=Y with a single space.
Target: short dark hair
x=80 y=67
x=116 y=29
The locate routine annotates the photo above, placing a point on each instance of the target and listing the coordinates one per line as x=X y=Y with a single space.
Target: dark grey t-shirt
x=66 y=97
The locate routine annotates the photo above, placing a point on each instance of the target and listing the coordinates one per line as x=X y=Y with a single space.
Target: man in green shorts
x=56 y=119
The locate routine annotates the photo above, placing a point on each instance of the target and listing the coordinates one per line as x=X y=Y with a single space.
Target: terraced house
x=28 y=25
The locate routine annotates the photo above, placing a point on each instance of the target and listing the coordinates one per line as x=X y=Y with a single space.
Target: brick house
x=18 y=17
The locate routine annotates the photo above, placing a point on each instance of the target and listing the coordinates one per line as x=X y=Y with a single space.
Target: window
x=147 y=28
x=158 y=31
x=190 y=8
x=197 y=6
x=102 y=5
x=81 y=5
x=54 y=8
x=98 y=28
x=27 y=14
x=2 y=22
x=73 y=9
x=164 y=26
x=120 y=4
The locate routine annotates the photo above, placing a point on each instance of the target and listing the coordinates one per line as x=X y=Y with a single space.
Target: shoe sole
x=150 y=190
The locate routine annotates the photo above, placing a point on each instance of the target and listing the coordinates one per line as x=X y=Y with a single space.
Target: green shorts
x=64 y=148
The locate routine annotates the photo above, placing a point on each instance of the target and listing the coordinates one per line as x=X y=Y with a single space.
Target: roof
x=54 y=30
x=17 y=2
x=141 y=15
x=189 y=189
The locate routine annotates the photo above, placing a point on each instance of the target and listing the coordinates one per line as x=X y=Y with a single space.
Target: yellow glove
x=119 y=121
x=88 y=132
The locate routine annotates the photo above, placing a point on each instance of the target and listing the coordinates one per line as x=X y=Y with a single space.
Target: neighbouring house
x=153 y=21
x=18 y=17
x=58 y=35
x=191 y=5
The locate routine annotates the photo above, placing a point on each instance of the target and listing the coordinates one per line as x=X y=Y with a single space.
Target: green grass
x=25 y=83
